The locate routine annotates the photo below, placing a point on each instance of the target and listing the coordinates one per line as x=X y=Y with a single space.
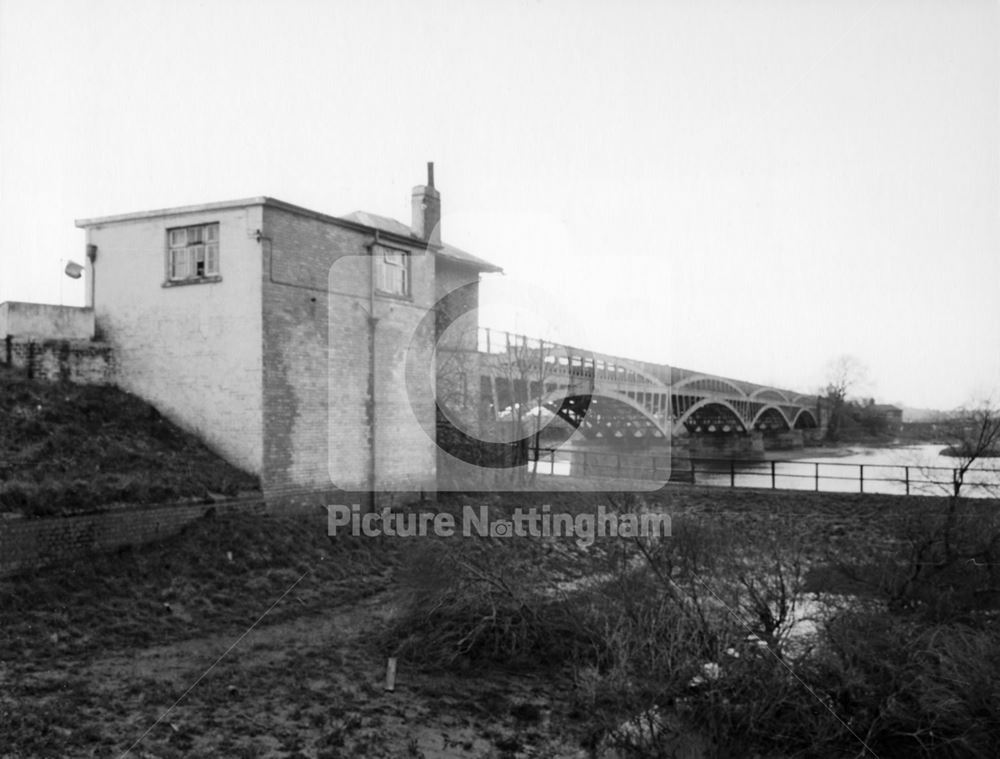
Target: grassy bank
x=69 y=449
x=518 y=647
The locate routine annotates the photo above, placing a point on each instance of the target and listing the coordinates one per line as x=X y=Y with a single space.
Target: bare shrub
x=912 y=689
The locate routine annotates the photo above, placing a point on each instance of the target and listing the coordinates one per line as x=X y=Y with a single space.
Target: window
x=193 y=253
x=392 y=272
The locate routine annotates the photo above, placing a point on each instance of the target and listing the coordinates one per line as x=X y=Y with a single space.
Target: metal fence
x=779 y=474
x=903 y=479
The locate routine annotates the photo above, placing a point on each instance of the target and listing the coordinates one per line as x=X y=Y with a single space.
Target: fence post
x=907 y=469
x=861 y=471
x=772 y=475
x=732 y=473
x=817 y=476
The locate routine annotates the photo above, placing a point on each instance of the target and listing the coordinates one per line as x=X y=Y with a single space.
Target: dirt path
x=312 y=686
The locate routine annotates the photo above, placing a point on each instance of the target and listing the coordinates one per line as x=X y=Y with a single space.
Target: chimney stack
x=427 y=209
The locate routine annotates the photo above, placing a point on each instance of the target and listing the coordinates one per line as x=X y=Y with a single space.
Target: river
x=912 y=469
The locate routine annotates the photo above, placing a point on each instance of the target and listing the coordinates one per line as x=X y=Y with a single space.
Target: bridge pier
x=785 y=440
x=650 y=462
x=726 y=446
x=813 y=436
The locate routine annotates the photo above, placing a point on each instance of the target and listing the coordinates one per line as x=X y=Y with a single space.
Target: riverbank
x=260 y=636
x=809 y=452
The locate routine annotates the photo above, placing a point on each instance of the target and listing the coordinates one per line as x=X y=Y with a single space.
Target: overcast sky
x=746 y=188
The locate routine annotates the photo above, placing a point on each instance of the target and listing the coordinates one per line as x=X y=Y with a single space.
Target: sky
x=748 y=189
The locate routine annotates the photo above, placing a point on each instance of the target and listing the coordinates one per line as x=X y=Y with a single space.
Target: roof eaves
x=261 y=200
x=176 y=211
x=468 y=260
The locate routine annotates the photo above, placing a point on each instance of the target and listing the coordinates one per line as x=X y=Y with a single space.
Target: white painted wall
x=44 y=321
x=193 y=351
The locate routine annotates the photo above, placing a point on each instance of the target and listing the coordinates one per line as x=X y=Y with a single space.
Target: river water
x=914 y=469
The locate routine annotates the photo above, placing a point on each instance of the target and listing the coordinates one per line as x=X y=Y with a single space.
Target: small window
x=193 y=253
x=392 y=272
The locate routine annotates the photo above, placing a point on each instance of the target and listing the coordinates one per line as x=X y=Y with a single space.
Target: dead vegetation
x=509 y=647
x=688 y=644
x=69 y=449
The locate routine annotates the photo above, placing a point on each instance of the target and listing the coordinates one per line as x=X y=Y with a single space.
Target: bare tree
x=844 y=374
x=953 y=559
x=520 y=370
x=493 y=391
x=973 y=433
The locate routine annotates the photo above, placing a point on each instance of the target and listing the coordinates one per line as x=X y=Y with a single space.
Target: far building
x=893 y=416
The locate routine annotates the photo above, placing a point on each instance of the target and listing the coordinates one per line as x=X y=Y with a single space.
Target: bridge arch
x=769 y=394
x=770 y=411
x=709 y=384
x=689 y=414
x=805 y=420
x=598 y=402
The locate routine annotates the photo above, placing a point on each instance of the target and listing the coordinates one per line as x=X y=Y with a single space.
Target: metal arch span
x=704 y=403
x=708 y=384
x=600 y=404
x=768 y=394
x=760 y=414
x=646 y=396
x=803 y=413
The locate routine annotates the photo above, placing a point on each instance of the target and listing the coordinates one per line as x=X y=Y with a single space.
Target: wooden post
x=552 y=460
x=390 y=674
x=732 y=473
x=861 y=473
x=772 y=475
x=907 y=469
x=817 y=476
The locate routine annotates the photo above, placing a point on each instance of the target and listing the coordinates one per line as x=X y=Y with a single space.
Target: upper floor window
x=392 y=271
x=193 y=253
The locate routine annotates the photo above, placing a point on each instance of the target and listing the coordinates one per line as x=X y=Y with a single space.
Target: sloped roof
x=385 y=224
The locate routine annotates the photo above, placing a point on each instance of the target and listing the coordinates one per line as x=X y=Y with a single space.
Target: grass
x=500 y=653
x=67 y=449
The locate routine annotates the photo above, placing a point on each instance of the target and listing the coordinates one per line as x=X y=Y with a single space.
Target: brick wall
x=320 y=396
x=27 y=544
x=82 y=362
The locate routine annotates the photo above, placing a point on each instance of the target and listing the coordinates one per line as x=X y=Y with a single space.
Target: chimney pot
x=426 y=209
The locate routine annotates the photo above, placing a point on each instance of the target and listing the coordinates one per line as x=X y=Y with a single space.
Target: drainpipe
x=372 y=415
x=92 y=256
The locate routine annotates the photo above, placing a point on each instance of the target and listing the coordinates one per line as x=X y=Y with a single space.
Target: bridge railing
x=898 y=479
x=557 y=359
